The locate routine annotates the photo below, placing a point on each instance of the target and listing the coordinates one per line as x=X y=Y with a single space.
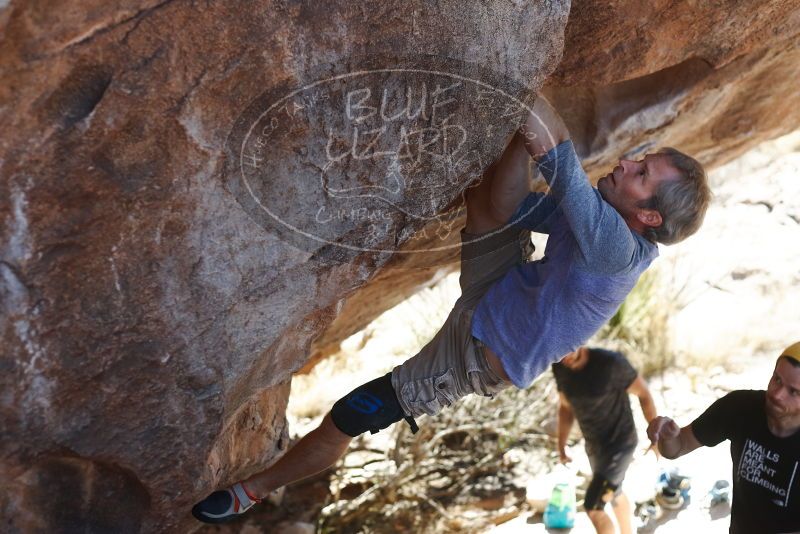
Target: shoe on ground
x=670 y=499
x=224 y=505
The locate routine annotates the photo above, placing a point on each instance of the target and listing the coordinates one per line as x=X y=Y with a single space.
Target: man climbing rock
x=764 y=430
x=514 y=317
x=593 y=386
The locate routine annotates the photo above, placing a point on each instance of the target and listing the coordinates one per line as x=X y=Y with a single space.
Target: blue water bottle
x=560 y=510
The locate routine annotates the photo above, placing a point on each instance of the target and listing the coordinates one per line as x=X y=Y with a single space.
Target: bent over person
x=514 y=317
x=593 y=386
x=764 y=430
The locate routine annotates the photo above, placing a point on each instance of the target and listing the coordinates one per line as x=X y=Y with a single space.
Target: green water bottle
x=560 y=510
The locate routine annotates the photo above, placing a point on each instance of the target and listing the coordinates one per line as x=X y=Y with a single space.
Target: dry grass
x=454 y=475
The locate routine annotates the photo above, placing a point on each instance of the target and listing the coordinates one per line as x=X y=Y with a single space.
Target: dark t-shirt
x=766 y=470
x=599 y=398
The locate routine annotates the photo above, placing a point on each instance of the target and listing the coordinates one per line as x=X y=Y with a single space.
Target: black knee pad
x=372 y=406
x=599 y=492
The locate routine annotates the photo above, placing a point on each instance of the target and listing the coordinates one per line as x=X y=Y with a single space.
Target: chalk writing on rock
x=368 y=160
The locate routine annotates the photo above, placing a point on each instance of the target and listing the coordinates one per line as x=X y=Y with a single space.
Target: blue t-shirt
x=540 y=311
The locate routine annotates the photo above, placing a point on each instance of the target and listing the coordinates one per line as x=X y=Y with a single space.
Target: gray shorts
x=452 y=364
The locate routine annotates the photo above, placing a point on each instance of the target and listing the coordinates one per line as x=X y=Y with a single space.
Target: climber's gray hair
x=682 y=203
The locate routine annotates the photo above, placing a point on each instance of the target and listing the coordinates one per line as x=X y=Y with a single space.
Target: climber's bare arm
x=506 y=182
x=543 y=129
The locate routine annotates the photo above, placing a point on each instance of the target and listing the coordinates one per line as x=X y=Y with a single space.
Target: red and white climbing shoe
x=224 y=505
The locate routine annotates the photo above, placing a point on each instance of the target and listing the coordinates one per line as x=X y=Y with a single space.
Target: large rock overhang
x=157 y=293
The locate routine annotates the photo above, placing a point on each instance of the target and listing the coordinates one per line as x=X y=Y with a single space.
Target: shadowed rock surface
x=198 y=199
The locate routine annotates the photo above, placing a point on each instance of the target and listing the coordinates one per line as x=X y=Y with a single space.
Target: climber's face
x=631 y=184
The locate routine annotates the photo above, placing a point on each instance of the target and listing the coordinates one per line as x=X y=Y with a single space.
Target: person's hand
x=662 y=428
x=653 y=447
x=563 y=457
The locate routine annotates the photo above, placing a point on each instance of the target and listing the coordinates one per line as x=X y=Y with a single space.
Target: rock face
x=189 y=193
x=197 y=199
x=710 y=80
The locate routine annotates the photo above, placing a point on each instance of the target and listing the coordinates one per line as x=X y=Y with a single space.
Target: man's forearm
x=543 y=129
x=672 y=440
x=648 y=407
x=565 y=420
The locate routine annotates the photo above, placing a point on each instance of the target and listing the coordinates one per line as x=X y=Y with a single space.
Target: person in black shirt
x=593 y=386
x=764 y=430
